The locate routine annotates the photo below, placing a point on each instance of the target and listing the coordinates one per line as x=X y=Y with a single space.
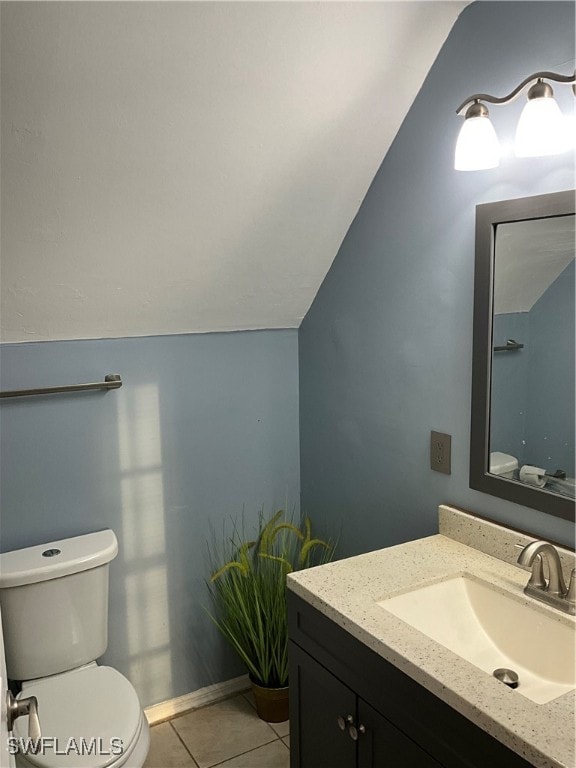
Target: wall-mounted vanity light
x=542 y=128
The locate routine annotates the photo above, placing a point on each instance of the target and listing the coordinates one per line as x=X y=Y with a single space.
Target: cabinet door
x=382 y=745
x=317 y=700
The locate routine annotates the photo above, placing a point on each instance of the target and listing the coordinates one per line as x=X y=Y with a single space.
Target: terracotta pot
x=271 y=703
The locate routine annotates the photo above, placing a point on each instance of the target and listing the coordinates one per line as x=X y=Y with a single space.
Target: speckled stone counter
x=347 y=591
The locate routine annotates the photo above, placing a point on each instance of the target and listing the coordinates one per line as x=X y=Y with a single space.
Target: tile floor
x=228 y=734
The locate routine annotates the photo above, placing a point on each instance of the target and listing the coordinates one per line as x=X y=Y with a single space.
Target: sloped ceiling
x=192 y=166
x=530 y=255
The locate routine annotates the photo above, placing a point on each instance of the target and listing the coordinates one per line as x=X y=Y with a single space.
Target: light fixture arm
x=537 y=76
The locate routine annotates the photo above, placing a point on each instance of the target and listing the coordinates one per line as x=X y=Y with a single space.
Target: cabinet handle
x=356 y=732
x=344 y=722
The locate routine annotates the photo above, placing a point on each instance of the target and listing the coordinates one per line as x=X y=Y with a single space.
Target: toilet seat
x=94 y=704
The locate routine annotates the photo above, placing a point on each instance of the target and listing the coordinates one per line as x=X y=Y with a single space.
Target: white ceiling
x=192 y=166
x=530 y=255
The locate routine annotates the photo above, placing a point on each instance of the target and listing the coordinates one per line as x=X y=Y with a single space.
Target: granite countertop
x=347 y=592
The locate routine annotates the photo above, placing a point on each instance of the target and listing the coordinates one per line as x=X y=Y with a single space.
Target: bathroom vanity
x=369 y=689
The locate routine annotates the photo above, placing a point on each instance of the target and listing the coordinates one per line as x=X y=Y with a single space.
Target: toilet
x=503 y=464
x=54 y=604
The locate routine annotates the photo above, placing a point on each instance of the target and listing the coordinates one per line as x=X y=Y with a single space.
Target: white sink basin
x=493 y=629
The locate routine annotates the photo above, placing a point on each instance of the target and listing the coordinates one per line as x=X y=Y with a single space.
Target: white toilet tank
x=54 y=602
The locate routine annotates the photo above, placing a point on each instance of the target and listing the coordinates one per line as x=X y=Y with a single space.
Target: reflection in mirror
x=532 y=414
x=522 y=428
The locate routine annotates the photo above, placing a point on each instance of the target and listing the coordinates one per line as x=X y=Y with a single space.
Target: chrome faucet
x=554 y=592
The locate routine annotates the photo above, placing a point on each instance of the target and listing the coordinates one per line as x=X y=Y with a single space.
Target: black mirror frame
x=488 y=217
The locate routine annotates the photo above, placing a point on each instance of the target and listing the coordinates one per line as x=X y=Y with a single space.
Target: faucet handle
x=537 y=578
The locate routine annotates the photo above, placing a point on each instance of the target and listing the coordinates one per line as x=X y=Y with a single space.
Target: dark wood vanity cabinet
x=349 y=708
x=322 y=699
x=381 y=742
x=338 y=729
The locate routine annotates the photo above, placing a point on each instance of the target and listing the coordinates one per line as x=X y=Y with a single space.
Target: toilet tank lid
x=57 y=558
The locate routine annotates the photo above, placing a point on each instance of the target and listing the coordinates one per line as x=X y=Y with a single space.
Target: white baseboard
x=159 y=712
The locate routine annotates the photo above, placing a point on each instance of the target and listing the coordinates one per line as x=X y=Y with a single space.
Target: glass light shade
x=542 y=129
x=477 y=147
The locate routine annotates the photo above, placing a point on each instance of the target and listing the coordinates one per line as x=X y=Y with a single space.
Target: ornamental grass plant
x=248 y=589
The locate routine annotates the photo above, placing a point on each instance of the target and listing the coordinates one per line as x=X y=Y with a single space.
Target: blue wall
x=551 y=397
x=509 y=396
x=203 y=426
x=386 y=349
x=533 y=389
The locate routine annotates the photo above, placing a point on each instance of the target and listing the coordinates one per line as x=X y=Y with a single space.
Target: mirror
x=523 y=389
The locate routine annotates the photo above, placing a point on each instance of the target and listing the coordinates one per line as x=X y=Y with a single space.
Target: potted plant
x=248 y=588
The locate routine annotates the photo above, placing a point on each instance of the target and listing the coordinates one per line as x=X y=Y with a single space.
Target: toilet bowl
x=54 y=602
x=92 y=714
